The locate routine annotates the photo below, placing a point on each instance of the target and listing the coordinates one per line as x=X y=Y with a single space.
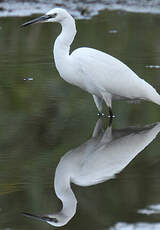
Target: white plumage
x=100 y=74
x=97 y=160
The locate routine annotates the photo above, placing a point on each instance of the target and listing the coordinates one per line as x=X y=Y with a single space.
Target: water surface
x=44 y=117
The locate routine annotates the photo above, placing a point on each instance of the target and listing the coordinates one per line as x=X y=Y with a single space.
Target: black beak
x=42 y=218
x=36 y=20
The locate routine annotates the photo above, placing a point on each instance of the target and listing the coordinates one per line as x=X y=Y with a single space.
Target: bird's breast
x=70 y=71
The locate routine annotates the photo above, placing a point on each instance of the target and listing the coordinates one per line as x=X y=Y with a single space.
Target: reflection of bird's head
x=99 y=159
x=57 y=220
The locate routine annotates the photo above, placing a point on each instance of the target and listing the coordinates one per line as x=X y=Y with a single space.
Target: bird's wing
x=105 y=72
x=110 y=158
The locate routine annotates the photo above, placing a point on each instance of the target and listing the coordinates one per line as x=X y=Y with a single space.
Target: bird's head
x=56 y=220
x=54 y=15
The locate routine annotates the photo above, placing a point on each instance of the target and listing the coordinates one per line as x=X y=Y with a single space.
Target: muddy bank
x=83 y=9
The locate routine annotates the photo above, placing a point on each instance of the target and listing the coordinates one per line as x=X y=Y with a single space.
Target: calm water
x=43 y=118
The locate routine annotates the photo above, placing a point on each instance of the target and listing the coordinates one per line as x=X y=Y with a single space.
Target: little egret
x=97 y=160
x=100 y=74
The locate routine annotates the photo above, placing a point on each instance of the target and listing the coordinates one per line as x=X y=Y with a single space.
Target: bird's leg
x=111 y=116
x=98 y=101
x=108 y=100
x=107 y=136
x=110 y=113
x=100 y=115
x=110 y=121
x=98 y=128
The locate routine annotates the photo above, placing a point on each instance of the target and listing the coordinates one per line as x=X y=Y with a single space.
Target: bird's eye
x=55 y=220
x=54 y=15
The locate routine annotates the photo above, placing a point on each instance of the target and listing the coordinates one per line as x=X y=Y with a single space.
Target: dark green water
x=42 y=119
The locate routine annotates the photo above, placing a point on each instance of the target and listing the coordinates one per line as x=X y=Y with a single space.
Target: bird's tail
x=155 y=98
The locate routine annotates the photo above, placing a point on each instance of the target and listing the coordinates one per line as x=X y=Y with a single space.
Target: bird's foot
x=100 y=115
x=111 y=116
x=110 y=121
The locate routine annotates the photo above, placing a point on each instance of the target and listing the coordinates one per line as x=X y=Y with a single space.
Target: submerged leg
x=107 y=136
x=98 y=101
x=111 y=113
x=98 y=128
x=108 y=100
x=110 y=121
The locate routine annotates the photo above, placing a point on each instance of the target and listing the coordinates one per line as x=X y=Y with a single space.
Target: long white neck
x=65 y=194
x=64 y=40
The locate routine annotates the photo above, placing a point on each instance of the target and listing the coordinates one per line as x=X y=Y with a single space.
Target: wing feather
x=103 y=72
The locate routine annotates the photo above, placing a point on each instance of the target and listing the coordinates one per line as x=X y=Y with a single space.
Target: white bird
x=94 y=71
x=97 y=160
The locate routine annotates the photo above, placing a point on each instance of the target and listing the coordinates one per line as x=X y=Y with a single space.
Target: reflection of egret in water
x=99 y=159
